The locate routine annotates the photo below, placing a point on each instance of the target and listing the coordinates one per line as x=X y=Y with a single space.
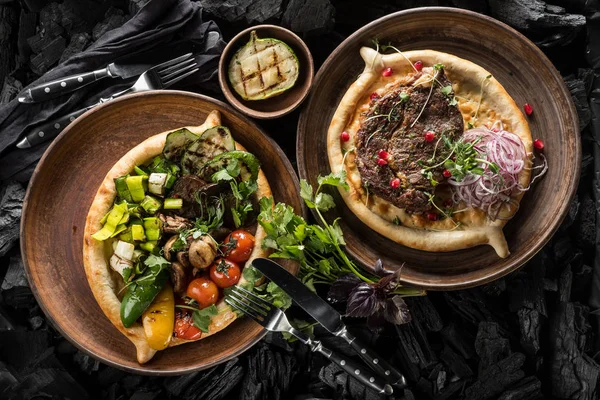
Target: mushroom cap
x=202 y=252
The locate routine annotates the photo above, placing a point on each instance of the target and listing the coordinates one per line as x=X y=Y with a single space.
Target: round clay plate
x=527 y=75
x=61 y=192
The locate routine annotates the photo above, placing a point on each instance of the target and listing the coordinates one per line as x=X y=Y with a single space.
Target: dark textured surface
x=531 y=335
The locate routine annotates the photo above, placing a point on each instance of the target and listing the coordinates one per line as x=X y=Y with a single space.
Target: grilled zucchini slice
x=211 y=143
x=263 y=68
x=176 y=143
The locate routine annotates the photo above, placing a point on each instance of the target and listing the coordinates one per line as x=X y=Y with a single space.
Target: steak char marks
x=390 y=125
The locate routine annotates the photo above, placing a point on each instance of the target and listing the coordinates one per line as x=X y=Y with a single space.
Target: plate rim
x=415 y=13
x=24 y=216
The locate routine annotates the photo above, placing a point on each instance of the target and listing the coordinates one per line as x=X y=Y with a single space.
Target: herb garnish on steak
x=402 y=123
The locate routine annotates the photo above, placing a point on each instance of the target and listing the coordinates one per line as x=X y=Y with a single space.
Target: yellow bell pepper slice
x=159 y=318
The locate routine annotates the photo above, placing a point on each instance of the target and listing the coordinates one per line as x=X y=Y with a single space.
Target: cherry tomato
x=204 y=291
x=184 y=325
x=238 y=246
x=224 y=273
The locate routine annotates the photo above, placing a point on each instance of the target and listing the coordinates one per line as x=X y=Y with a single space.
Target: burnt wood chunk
x=15 y=275
x=490 y=346
x=311 y=17
x=10 y=89
x=251 y=11
x=455 y=362
x=423 y=309
x=49 y=56
x=534 y=15
x=27 y=25
x=527 y=389
x=212 y=384
x=112 y=19
x=77 y=44
x=530 y=325
x=497 y=378
x=11 y=199
x=459 y=339
x=8 y=30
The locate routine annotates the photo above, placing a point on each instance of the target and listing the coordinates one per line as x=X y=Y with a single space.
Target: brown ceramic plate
x=56 y=205
x=283 y=103
x=527 y=75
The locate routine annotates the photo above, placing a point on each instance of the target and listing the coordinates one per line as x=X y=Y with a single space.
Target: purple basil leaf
x=363 y=301
x=396 y=311
x=340 y=289
x=388 y=283
x=379 y=271
x=376 y=322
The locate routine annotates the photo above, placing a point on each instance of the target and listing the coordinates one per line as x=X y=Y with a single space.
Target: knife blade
x=124 y=68
x=326 y=315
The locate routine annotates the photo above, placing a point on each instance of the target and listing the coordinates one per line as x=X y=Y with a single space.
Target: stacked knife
x=151 y=77
x=330 y=319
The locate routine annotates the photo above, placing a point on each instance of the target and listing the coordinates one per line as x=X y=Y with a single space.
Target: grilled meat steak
x=390 y=125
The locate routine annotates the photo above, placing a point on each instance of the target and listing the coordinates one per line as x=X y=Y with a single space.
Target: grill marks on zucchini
x=263 y=68
x=211 y=143
x=176 y=143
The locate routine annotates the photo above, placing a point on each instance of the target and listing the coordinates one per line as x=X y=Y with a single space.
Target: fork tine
x=166 y=71
x=241 y=307
x=171 y=62
x=260 y=302
x=175 y=74
x=248 y=303
x=172 y=81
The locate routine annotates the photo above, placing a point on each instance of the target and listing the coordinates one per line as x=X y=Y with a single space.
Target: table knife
x=67 y=84
x=326 y=315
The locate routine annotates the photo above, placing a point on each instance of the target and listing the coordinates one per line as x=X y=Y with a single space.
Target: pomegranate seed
x=383 y=154
x=345 y=136
x=429 y=136
x=387 y=72
x=432 y=216
x=395 y=183
x=381 y=162
x=538 y=144
x=419 y=65
x=447 y=174
x=495 y=130
x=528 y=109
x=374 y=96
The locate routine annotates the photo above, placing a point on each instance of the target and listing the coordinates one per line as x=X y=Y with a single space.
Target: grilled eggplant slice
x=263 y=68
x=211 y=143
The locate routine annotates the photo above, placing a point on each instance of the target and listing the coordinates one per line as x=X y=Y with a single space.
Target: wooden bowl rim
x=231 y=96
x=527 y=254
x=24 y=216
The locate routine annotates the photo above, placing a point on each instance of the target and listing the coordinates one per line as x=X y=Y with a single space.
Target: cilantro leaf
x=203 y=317
x=221 y=175
x=438 y=66
x=446 y=90
x=338 y=180
x=324 y=201
x=306 y=192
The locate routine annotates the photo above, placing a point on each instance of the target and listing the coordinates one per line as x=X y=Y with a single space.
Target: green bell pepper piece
x=138 y=297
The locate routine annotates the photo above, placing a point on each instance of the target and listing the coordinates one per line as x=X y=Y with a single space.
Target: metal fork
x=158 y=77
x=274 y=320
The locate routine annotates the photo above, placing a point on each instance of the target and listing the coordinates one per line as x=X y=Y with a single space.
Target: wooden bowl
x=56 y=205
x=527 y=75
x=287 y=101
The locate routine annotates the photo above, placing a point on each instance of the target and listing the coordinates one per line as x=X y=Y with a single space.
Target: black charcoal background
x=531 y=335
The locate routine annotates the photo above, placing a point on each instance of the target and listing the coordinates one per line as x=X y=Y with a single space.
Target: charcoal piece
x=15 y=275
x=526 y=289
x=6 y=322
x=348 y=388
x=251 y=11
x=65 y=347
x=109 y=375
x=414 y=345
x=497 y=378
x=408 y=395
x=564 y=284
x=572 y=213
x=470 y=305
x=530 y=325
x=136 y=5
x=437 y=376
x=495 y=288
x=78 y=42
x=576 y=86
x=490 y=346
x=80 y=15
x=450 y=391
x=21 y=348
x=112 y=19
x=27 y=25
x=147 y=395
x=459 y=339
x=571 y=371
x=43 y=38
x=586 y=224
x=310 y=17
x=550 y=285
x=210 y=385
x=425 y=388
x=49 y=15
x=49 y=56
x=580 y=286
x=564 y=251
x=20 y=298
x=36 y=322
x=7 y=378
x=52 y=382
x=526 y=389
x=86 y=363
x=456 y=363
x=10 y=89
x=8 y=30
x=276 y=339
x=34 y=6
x=423 y=309
x=534 y=15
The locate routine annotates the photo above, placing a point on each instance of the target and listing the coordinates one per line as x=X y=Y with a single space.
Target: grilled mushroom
x=167 y=247
x=178 y=277
x=183 y=258
x=202 y=252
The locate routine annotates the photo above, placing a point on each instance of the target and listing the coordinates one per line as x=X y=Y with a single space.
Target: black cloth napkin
x=158 y=23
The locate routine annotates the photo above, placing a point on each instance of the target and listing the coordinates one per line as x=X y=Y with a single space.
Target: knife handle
x=50 y=129
x=356 y=370
x=52 y=89
x=373 y=360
